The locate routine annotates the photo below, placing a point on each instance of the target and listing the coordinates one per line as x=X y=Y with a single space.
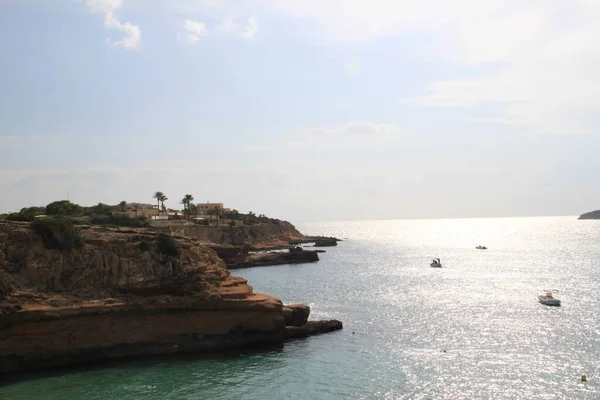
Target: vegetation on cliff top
x=57 y=233
x=120 y=214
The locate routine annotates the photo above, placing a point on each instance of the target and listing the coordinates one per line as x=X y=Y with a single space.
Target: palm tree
x=188 y=199
x=158 y=196
x=162 y=203
x=184 y=202
x=123 y=205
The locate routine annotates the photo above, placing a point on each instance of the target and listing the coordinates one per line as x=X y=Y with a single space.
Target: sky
x=304 y=110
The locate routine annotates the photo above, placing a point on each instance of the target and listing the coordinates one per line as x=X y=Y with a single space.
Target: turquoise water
x=471 y=330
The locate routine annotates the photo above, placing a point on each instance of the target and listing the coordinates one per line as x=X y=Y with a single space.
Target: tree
x=64 y=207
x=29 y=213
x=158 y=196
x=162 y=203
x=187 y=201
x=123 y=205
x=99 y=209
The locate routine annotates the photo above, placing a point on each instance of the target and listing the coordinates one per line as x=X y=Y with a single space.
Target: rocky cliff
x=119 y=293
x=590 y=215
x=259 y=236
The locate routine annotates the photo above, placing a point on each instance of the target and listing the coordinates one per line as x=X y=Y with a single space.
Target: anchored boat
x=548 y=298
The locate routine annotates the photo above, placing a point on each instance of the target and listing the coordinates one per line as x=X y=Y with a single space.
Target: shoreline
x=119 y=294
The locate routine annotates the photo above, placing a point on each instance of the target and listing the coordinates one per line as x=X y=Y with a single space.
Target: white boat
x=436 y=263
x=548 y=299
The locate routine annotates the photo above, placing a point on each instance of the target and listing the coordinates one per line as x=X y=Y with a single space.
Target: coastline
x=120 y=294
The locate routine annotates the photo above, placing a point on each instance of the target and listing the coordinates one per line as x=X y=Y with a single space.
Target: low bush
x=167 y=245
x=57 y=233
x=18 y=217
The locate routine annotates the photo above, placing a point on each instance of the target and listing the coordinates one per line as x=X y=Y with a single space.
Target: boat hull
x=549 y=301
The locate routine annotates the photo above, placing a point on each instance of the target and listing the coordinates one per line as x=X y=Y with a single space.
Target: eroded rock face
x=272 y=258
x=296 y=314
x=259 y=236
x=326 y=242
x=122 y=294
x=312 y=328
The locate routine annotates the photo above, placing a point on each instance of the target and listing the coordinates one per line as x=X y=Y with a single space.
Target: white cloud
x=246 y=31
x=132 y=33
x=195 y=30
x=539 y=57
x=250 y=29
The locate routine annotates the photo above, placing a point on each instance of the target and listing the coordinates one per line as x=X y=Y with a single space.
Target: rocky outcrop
x=239 y=256
x=260 y=236
x=272 y=258
x=296 y=314
x=590 y=215
x=326 y=242
x=312 y=328
x=124 y=293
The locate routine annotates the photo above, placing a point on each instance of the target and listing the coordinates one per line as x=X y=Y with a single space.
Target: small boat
x=548 y=298
x=436 y=263
x=481 y=248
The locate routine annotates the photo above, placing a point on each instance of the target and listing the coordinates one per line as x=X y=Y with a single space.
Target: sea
x=470 y=330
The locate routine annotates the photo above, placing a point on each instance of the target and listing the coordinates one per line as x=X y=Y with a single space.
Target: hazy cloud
x=195 y=30
x=246 y=30
x=132 y=33
x=533 y=62
x=349 y=135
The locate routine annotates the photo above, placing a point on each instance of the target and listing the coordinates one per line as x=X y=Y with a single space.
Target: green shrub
x=167 y=245
x=18 y=217
x=99 y=209
x=144 y=245
x=64 y=207
x=57 y=233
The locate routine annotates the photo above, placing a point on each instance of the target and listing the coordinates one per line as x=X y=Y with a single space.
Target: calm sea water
x=471 y=330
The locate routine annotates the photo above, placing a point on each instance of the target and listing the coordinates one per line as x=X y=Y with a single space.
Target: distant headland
x=590 y=215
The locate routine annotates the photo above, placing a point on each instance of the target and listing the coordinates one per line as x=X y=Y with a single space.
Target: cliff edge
x=77 y=295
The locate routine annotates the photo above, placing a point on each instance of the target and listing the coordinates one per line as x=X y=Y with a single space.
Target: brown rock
x=273 y=258
x=326 y=242
x=296 y=314
x=312 y=328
